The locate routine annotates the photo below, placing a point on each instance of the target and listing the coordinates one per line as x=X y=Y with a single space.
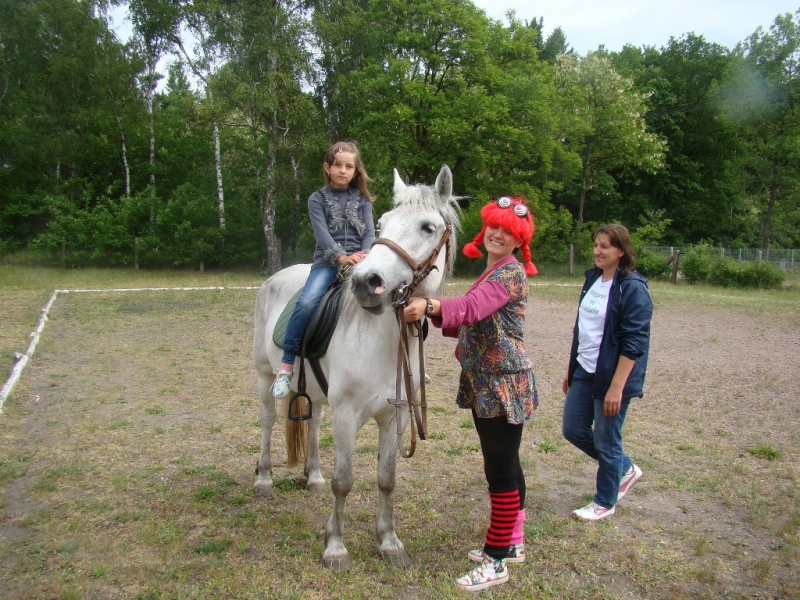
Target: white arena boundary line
x=16 y=372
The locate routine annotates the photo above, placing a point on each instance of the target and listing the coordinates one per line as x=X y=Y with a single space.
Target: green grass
x=134 y=469
x=764 y=451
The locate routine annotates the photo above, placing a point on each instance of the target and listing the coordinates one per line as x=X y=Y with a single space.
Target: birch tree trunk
x=220 y=189
x=124 y=152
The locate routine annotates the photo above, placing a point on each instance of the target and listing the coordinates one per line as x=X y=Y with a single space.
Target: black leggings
x=500 y=443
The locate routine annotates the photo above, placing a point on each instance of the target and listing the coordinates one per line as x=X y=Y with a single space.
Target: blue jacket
x=626 y=333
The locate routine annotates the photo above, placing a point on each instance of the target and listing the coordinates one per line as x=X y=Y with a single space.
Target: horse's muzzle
x=370 y=291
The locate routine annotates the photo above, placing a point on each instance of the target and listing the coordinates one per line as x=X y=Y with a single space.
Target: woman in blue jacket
x=607 y=366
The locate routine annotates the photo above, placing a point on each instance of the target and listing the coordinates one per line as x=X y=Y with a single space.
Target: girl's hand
x=353 y=259
x=565 y=385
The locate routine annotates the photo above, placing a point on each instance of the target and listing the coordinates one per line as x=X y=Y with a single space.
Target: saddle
x=317 y=336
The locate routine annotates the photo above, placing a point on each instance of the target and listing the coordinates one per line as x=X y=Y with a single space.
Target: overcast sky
x=614 y=23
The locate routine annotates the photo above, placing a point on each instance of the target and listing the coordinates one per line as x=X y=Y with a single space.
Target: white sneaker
x=630 y=478
x=282 y=385
x=516 y=554
x=593 y=512
x=490 y=572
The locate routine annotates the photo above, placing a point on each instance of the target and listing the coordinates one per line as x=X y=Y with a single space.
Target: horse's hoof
x=397 y=559
x=336 y=563
x=265 y=490
x=315 y=486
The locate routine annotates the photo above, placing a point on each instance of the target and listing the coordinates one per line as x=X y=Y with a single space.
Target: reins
x=418 y=411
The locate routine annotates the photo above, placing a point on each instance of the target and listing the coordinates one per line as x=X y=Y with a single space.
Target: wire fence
x=786 y=259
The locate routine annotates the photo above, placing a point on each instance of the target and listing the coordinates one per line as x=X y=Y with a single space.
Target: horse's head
x=418 y=233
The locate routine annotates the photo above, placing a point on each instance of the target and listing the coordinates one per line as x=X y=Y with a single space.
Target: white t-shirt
x=591 y=319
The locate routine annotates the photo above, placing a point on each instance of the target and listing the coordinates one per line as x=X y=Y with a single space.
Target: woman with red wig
x=497 y=381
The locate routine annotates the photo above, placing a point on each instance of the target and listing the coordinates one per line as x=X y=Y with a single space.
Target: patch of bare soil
x=722 y=389
x=127 y=456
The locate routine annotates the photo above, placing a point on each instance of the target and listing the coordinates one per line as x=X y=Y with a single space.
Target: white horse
x=360 y=364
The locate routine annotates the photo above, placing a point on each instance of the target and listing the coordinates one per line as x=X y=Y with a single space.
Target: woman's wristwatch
x=429 y=309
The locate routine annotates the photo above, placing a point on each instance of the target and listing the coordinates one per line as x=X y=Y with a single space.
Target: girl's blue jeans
x=318 y=281
x=588 y=429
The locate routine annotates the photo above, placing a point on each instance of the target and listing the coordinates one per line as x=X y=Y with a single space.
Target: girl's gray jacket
x=342 y=223
x=626 y=333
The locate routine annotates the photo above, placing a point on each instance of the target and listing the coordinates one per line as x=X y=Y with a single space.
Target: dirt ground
x=723 y=382
x=133 y=404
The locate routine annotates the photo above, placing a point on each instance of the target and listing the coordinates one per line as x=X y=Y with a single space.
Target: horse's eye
x=428 y=227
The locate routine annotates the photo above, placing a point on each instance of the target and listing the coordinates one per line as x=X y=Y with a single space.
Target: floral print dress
x=496 y=374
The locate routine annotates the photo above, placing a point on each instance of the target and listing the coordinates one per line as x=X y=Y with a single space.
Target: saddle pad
x=321 y=324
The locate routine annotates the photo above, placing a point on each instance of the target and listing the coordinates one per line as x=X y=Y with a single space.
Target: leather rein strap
x=421 y=270
x=418 y=411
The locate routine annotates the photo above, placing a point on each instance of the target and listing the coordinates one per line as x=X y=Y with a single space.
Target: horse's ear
x=399 y=185
x=444 y=183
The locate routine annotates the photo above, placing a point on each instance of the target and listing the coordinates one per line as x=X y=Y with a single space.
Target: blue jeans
x=318 y=281
x=603 y=442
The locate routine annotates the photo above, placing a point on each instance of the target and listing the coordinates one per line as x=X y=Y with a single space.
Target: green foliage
x=699 y=139
x=695 y=264
x=705 y=264
x=651 y=229
x=651 y=265
x=83 y=236
x=727 y=272
x=764 y=451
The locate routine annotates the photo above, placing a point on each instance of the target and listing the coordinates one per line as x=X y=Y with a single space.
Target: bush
x=764 y=275
x=696 y=263
x=728 y=272
x=651 y=265
x=702 y=264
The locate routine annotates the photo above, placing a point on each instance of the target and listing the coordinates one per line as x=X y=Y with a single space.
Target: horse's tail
x=296 y=434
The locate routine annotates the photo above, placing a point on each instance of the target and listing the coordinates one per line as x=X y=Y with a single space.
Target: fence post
x=136 y=253
x=571 y=258
x=760 y=255
x=676 y=256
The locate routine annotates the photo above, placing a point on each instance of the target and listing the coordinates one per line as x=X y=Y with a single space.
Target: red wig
x=513 y=215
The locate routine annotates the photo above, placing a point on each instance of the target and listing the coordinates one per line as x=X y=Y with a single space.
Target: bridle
x=419 y=270
x=417 y=410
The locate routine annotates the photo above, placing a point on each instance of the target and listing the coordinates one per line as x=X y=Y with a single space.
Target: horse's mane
x=423 y=198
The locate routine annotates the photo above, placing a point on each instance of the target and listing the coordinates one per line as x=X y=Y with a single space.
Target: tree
x=438 y=82
x=764 y=96
x=203 y=62
x=604 y=125
x=259 y=88
x=697 y=188
x=154 y=24
x=57 y=132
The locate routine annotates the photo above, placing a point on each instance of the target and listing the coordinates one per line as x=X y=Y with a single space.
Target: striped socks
x=502 y=522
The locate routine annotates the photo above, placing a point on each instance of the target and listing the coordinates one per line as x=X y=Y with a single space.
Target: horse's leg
x=266 y=417
x=335 y=556
x=315 y=482
x=392 y=549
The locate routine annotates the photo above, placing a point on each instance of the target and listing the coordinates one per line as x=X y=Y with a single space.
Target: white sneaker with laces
x=593 y=512
x=490 y=572
x=630 y=478
x=282 y=385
